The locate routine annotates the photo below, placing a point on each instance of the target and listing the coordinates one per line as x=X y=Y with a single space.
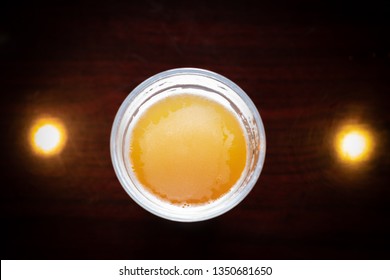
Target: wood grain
x=309 y=67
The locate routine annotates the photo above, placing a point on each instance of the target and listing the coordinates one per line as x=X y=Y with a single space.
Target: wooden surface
x=310 y=68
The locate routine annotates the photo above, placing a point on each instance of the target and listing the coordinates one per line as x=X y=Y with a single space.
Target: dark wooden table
x=310 y=68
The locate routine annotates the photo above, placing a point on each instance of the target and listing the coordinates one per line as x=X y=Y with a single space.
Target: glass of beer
x=188 y=144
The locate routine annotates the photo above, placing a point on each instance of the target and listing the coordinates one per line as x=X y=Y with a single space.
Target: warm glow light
x=48 y=136
x=354 y=144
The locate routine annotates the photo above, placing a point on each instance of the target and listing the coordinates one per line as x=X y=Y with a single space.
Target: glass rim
x=190 y=214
